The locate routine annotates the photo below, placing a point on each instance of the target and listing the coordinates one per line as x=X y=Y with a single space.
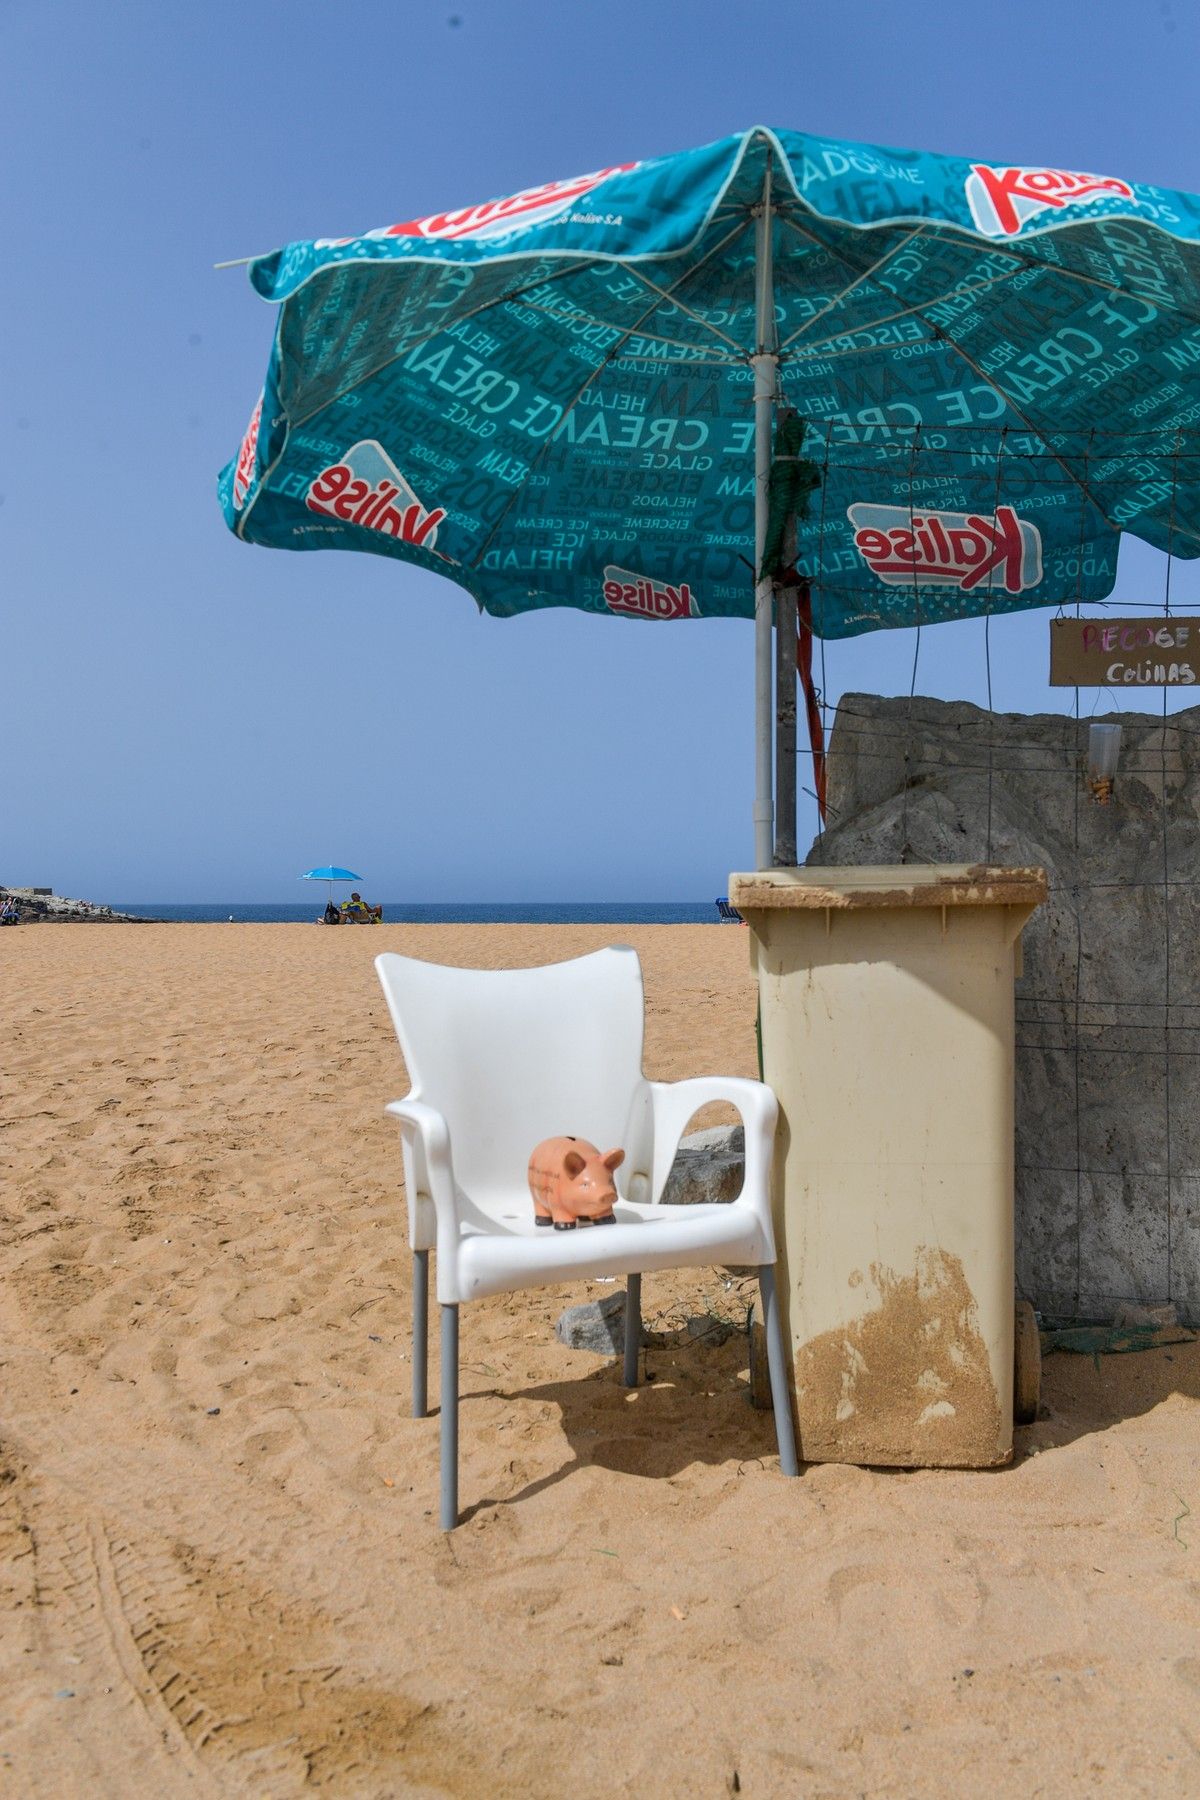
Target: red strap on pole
x=804 y=666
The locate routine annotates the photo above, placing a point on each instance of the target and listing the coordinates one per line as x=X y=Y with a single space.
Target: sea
x=407 y=912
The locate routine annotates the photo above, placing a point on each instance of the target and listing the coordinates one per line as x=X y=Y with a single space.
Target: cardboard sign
x=1124 y=652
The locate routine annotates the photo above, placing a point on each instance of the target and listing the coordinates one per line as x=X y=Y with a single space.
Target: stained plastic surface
x=887 y=1031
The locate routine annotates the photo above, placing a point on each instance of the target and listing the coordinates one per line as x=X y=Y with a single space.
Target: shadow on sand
x=1085 y=1394
x=693 y=1406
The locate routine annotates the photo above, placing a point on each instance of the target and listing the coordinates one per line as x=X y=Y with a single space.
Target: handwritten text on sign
x=1124 y=652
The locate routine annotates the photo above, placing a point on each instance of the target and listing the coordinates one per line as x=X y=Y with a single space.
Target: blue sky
x=188 y=718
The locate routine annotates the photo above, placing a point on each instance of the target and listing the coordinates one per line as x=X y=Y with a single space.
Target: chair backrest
x=512 y=1056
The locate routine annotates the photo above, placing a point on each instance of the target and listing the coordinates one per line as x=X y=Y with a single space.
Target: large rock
x=1108 y=1008
x=599 y=1326
x=709 y=1165
x=596 y=1325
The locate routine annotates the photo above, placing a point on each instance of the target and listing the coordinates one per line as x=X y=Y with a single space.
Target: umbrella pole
x=785 y=721
x=765 y=363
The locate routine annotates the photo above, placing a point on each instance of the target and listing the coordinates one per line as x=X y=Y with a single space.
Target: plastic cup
x=1104 y=749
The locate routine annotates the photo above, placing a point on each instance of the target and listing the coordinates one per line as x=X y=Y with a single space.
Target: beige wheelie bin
x=886 y=1000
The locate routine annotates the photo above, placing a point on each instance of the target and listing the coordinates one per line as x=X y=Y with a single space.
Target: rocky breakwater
x=1108 y=1006
x=38 y=906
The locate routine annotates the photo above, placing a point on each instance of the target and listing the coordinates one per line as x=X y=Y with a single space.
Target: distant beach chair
x=500 y=1059
x=729 y=914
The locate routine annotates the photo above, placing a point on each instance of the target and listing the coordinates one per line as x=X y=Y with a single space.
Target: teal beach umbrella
x=330 y=873
x=568 y=397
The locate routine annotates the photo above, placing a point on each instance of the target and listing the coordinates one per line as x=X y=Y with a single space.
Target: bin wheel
x=1027 y=1365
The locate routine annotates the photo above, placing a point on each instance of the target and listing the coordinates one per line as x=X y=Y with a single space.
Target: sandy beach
x=221 y=1566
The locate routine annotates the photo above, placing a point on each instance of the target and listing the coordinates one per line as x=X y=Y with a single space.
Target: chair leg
x=633 y=1328
x=773 y=1331
x=420 y=1350
x=449 y=1503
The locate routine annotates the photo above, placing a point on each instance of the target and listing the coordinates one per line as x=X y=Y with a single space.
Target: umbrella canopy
x=566 y=397
x=550 y=398
x=330 y=874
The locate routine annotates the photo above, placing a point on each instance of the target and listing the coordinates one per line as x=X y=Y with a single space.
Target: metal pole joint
x=765 y=364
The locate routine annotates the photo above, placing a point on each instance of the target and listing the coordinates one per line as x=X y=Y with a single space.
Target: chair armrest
x=429 y=1176
x=675 y=1102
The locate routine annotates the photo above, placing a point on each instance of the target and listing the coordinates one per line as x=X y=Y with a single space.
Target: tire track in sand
x=182 y=1676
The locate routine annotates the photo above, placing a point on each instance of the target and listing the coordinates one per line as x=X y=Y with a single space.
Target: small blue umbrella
x=330 y=874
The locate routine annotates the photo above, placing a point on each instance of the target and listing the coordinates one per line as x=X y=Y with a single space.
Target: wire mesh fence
x=1108 y=1009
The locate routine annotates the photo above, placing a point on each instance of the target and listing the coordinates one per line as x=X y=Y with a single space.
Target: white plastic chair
x=499 y=1060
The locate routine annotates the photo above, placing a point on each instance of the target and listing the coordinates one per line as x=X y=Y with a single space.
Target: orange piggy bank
x=570 y=1180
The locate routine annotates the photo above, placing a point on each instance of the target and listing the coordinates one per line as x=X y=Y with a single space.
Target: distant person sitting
x=9 y=913
x=331 y=915
x=355 y=911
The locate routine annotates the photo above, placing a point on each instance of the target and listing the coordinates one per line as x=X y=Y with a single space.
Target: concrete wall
x=1108 y=1010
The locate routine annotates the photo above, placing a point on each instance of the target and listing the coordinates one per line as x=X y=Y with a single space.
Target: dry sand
x=202 y=1209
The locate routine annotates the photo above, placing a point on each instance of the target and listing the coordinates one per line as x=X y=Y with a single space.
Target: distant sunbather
x=355 y=911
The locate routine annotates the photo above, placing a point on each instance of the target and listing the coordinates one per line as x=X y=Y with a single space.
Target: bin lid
x=888 y=884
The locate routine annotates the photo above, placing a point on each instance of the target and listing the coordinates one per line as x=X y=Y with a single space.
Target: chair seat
x=501 y=1249
x=498 y=1059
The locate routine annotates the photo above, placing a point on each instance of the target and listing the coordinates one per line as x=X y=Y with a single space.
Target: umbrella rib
x=846 y=291
x=1037 y=430
x=978 y=287
x=1109 y=287
x=945 y=228
x=702 y=322
x=942 y=336
x=583 y=388
x=726 y=362
x=691 y=361
x=419 y=342
x=888 y=318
